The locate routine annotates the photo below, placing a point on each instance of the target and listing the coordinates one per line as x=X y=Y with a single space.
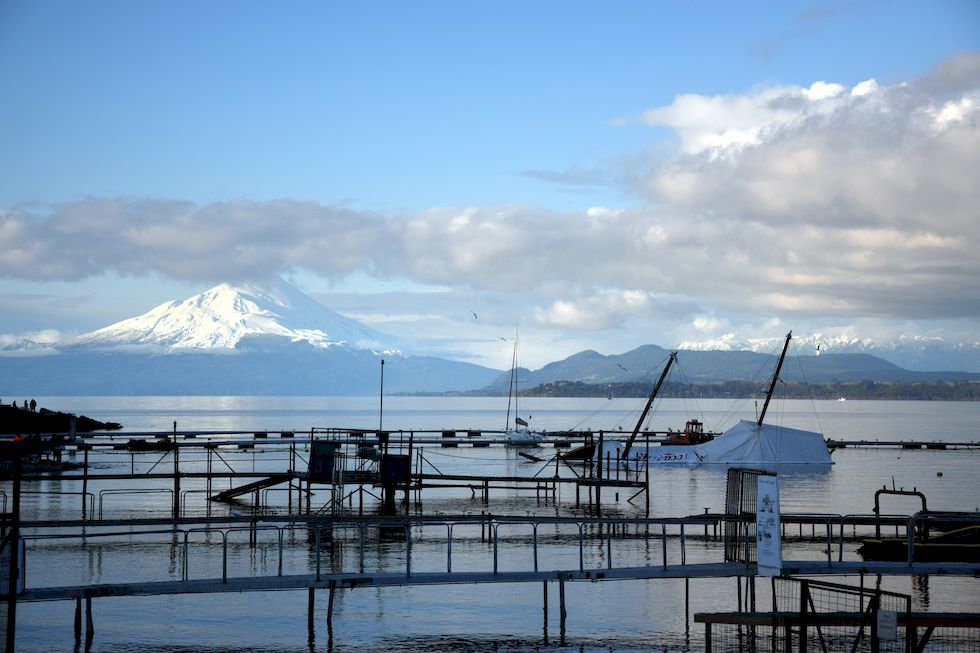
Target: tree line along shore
x=884 y=390
x=897 y=390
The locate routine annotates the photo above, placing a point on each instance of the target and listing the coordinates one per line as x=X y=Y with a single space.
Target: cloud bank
x=827 y=200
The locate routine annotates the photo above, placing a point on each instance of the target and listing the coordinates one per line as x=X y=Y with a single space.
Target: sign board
x=887 y=625
x=769 y=549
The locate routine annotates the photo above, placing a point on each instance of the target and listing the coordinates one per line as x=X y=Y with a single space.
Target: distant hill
x=644 y=363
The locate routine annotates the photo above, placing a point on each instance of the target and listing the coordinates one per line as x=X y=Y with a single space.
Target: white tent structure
x=749 y=443
x=745 y=444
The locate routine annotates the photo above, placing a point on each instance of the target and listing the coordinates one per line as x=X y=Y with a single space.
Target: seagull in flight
x=621 y=367
x=474 y=315
x=502 y=338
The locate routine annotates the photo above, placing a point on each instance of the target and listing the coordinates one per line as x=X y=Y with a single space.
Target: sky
x=598 y=175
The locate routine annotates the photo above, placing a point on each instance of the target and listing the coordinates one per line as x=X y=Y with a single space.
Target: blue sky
x=603 y=174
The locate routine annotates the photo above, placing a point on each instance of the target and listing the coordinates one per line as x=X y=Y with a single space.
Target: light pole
x=381 y=408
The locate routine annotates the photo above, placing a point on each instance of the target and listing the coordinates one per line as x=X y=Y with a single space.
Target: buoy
x=939 y=473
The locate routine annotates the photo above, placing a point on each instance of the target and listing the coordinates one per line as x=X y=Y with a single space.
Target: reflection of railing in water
x=45 y=493
x=133 y=491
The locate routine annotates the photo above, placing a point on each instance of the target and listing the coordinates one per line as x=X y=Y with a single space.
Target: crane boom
x=646 y=408
x=775 y=377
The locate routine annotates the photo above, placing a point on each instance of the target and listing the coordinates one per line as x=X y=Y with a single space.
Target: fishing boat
x=693 y=433
x=520 y=434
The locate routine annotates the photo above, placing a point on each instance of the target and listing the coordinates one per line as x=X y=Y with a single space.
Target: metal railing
x=497 y=531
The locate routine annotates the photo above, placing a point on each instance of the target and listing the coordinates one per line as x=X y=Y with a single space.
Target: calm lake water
x=607 y=616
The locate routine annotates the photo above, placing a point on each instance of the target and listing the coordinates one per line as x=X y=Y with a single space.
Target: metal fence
x=810 y=615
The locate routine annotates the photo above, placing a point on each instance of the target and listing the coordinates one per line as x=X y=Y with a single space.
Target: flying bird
x=502 y=338
x=621 y=367
x=474 y=315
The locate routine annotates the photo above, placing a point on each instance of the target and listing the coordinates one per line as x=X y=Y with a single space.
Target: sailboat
x=753 y=443
x=520 y=434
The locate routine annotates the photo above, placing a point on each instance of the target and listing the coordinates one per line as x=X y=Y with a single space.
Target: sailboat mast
x=775 y=377
x=510 y=390
x=646 y=408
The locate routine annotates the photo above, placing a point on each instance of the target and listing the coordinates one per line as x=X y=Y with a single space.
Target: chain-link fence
x=810 y=615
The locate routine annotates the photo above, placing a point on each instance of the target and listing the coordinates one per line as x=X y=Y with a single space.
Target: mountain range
x=692 y=366
x=272 y=339
x=911 y=352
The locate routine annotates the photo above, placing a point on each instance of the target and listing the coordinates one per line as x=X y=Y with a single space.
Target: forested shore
x=916 y=391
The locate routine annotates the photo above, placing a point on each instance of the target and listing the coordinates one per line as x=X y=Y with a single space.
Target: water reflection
x=620 y=616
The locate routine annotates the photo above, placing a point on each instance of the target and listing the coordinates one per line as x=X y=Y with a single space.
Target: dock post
x=310 y=602
x=176 y=476
x=330 y=595
x=598 y=487
x=292 y=467
x=78 y=620
x=561 y=608
x=84 y=479
x=687 y=604
x=408 y=481
x=89 y=624
x=738 y=584
x=545 y=584
x=13 y=576
x=648 y=485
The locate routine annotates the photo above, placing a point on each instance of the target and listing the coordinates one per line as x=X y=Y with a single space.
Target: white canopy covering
x=746 y=443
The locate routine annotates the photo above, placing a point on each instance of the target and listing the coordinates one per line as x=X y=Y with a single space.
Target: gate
x=739 y=527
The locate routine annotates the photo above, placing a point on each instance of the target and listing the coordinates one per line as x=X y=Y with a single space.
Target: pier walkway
x=402 y=579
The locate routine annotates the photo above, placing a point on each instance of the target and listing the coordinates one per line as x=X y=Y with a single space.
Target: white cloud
x=824 y=200
x=846 y=201
x=42 y=337
x=718 y=124
x=594 y=313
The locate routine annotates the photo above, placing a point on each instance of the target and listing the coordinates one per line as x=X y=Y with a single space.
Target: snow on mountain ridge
x=919 y=353
x=224 y=316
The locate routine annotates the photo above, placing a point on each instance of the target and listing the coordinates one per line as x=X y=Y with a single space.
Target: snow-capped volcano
x=281 y=342
x=234 y=316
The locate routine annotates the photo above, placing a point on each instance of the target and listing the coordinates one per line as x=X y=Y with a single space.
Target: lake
x=606 y=616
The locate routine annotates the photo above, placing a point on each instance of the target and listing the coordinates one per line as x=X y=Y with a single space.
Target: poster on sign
x=769 y=550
